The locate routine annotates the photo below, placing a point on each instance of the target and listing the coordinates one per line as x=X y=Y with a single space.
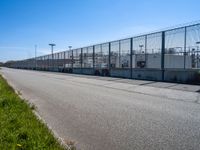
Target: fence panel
x=192 y=46
x=87 y=55
x=98 y=56
x=124 y=59
x=174 y=49
x=153 y=51
x=115 y=55
x=77 y=56
x=138 y=52
x=68 y=59
x=101 y=56
x=105 y=55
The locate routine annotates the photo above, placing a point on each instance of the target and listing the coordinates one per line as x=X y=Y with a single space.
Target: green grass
x=19 y=127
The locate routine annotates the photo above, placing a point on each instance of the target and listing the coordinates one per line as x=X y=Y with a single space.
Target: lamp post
x=52 y=45
x=70 y=47
x=141 y=46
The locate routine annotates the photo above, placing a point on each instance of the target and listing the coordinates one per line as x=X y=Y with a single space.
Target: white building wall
x=177 y=61
x=171 y=61
x=153 y=61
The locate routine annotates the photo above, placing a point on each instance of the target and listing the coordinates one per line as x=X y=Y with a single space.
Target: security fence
x=170 y=55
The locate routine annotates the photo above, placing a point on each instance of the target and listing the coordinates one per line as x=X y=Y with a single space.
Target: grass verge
x=19 y=127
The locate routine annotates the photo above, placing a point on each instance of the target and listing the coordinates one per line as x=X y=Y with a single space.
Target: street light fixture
x=70 y=47
x=52 y=45
x=198 y=42
x=141 y=46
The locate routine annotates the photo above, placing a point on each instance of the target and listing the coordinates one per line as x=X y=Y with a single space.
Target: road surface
x=113 y=114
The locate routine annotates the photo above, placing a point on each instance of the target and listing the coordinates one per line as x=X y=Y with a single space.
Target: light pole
x=52 y=45
x=141 y=46
x=70 y=47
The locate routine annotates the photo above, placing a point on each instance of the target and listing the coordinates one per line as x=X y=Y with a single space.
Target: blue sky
x=24 y=23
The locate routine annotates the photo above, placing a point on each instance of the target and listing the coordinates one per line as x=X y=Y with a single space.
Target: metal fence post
x=64 y=62
x=109 y=56
x=185 y=42
x=93 y=56
x=52 y=59
x=48 y=62
x=81 y=61
x=163 y=56
x=131 y=58
x=72 y=59
x=120 y=54
x=58 y=60
x=145 y=51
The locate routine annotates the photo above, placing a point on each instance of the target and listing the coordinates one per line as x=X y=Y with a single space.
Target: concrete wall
x=180 y=75
x=147 y=74
x=88 y=71
x=118 y=72
x=77 y=70
x=170 y=75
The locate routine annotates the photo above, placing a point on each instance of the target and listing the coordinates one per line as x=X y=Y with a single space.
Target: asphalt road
x=113 y=114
